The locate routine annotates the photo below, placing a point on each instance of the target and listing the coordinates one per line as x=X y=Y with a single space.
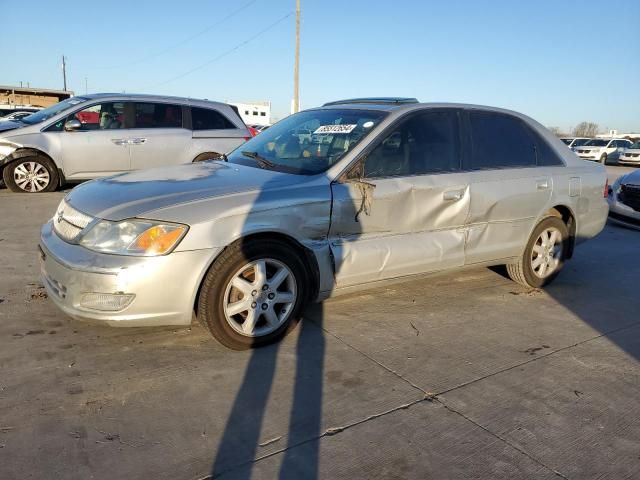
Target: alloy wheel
x=260 y=297
x=547 y=252
x=31 y=176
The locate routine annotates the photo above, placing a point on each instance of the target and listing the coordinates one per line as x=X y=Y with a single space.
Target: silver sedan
x=383 y=190
x=624 y=200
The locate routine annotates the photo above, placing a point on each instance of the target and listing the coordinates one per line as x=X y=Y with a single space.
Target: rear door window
x=157 y=115
x=499 y=141
x=209 y=119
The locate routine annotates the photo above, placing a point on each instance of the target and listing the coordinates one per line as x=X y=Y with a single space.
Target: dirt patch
x=535 y=350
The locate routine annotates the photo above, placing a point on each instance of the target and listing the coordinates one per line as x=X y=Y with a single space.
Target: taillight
x=606 y=188
x=253 y=131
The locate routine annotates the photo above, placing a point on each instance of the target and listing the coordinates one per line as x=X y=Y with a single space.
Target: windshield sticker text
x=335 y=129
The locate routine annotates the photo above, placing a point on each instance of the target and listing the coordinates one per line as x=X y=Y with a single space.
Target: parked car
x=624 y=200
x=572 y=142
x=102 y=134
x=602 y=149
x=4 y=111
x=246 y=242
x=15 y=116
x=631 y=156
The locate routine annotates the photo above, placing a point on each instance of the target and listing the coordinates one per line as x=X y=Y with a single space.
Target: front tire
x=603 y=159
x=544 y=255
x=34 y=174
x=252 y=294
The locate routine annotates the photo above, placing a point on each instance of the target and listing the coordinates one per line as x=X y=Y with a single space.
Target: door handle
x=542 y=184
x=453 y=195
x=120 y=141
x=137 y=141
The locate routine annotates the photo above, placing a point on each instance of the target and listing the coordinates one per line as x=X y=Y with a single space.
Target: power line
x=231 y=50
x=186 y=40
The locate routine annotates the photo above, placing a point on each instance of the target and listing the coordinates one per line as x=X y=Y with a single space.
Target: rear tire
x=240 y=306
x=544 y=255
x=603 y=159
x=35 y=174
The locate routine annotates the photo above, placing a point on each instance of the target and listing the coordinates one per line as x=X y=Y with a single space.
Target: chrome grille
x=630 y=196
x=69 y=222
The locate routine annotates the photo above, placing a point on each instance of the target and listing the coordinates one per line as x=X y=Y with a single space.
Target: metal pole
x=86 y=86
x=64 y=73
x=296 y=66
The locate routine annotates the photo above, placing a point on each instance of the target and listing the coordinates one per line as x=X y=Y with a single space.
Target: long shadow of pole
x=240 y=440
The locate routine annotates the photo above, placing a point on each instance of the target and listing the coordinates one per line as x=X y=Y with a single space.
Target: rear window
x=208 y=119
x=157 y=115
x=500 y=141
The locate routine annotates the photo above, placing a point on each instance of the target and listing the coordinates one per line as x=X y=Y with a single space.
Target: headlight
x=143 y=238
x=615 y=188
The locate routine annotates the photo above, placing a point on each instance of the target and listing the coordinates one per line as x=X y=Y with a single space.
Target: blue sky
x=559 y=61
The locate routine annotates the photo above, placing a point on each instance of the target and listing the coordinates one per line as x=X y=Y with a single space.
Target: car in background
x=258 y=128
x=15 y=116
x=624 y=200
x=572 y=142
x=401 y=189
x=602 y=149
x=631 y=156
x=97 y=135
x=4 y=111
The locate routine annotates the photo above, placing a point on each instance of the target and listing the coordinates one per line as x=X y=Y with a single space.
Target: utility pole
x=64 y=73
x=296 y=65
x=86 y=86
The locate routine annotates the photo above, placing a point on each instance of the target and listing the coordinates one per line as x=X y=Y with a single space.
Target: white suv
x=602 y=149
x=98 y=135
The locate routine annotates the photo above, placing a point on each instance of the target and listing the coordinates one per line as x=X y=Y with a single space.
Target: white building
x=255 y=113
x=617 y=134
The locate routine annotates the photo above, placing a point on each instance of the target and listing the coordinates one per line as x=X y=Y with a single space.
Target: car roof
x=405 y=107
x=152 y=98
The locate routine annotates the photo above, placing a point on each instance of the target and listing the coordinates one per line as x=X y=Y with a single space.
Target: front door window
x=104 y=116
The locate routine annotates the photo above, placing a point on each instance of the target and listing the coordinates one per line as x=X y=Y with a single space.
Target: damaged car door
x=401 y=209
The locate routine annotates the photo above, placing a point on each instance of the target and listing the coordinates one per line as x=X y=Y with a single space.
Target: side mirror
x=72 y=125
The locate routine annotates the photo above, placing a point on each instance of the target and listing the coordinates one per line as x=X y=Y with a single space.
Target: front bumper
x=589 y=156
x=629 y=161
x=163 y=288
x=621 y=213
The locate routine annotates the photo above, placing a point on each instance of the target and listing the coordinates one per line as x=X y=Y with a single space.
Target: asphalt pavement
x=465 y=375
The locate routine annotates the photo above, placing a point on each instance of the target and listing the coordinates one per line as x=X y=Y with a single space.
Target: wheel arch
x=24 y=152
x=307 y=256
x=28 y=152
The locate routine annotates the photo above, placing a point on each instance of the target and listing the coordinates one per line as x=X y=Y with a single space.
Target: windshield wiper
x=261 y=161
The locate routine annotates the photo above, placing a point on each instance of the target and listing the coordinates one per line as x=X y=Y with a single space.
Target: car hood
x=632 y=150
x=132 y=194
x=632 y=178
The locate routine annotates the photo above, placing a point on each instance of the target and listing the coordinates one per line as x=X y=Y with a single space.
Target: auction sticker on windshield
x=335 y=129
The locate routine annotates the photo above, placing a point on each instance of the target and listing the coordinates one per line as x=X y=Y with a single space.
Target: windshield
x=566 y=141
x=52 y=111
x=308 y=142
x=596 y=142
x=635 y=146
